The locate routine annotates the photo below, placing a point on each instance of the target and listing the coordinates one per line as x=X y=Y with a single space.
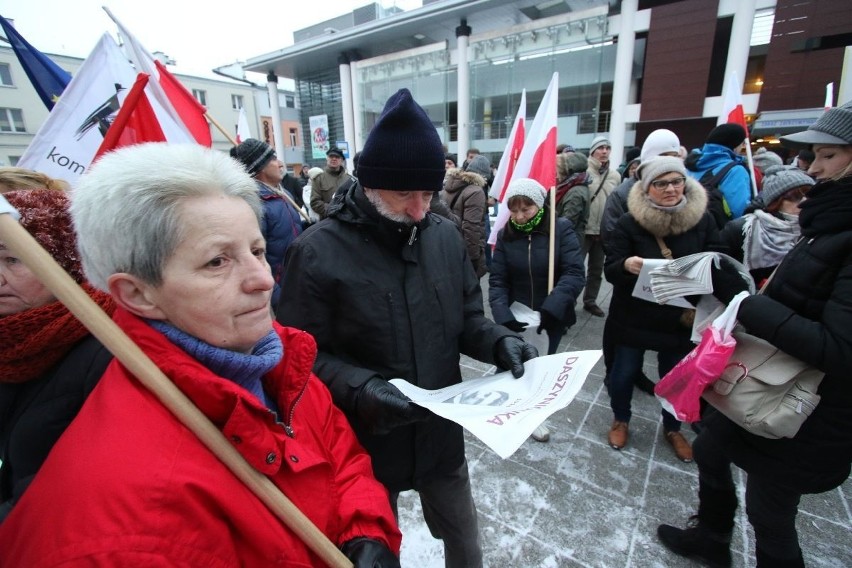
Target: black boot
x=708 y=535
x=698 y=542
x=764 y=560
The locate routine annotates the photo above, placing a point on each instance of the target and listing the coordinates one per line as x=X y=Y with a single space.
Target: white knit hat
x=658 y=143
x=526 y=187
x=657 y=166
x=598 y=142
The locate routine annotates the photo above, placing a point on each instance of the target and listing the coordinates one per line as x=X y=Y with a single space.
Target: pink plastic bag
x=680 y=390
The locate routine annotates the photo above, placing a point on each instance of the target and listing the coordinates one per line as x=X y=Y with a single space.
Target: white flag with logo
x=66 y=143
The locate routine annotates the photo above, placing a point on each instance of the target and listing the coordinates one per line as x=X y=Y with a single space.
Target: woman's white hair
x=126 y=208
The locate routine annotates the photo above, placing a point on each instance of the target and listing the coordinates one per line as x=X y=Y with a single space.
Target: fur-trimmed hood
x=457 y=179
x=662 y=223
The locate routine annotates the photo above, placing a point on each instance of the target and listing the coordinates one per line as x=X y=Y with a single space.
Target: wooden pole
x=752 y=178
x=551 y=265
x=19 y=241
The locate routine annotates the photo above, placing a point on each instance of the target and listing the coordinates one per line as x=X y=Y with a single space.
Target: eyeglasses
x=661 y=184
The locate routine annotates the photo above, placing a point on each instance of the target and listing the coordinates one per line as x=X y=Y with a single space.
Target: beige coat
x=607 y=182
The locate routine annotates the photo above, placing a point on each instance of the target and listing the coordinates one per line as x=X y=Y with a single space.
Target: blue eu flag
x=47 y=77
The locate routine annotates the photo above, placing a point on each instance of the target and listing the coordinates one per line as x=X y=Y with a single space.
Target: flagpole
x=137 y=362
x=233 y=141
x=551 y=265
x=751 y=175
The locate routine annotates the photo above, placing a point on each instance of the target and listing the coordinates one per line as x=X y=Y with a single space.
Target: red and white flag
x=732 y=106
x=537 y=159
x=243 y=132
x=165 y=89
x=829 y=95
x=66 y=144
x=514 y=145
x=135 y=122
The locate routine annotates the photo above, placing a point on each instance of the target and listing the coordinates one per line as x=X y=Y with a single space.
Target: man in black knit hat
x=388 y=291
x=722 y=155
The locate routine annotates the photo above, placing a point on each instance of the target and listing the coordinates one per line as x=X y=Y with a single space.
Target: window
x=11 y=120
x=5 y=75
x=294 y=137
x=13 y=160
x=236 y=102
x=200 y=96
x=289 y=101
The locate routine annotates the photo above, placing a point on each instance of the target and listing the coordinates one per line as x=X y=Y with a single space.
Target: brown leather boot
x=681 y=447
x=618 y=435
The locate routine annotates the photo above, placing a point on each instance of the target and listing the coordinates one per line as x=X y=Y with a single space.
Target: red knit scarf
x=34 y=340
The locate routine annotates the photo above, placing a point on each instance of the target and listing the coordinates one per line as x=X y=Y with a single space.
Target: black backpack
x=716 y=204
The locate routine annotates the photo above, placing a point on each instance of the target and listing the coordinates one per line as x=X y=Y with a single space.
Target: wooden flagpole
x=551 y=265
x=19 y=241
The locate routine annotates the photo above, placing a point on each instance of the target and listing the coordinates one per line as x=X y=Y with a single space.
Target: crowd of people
x=282 y=306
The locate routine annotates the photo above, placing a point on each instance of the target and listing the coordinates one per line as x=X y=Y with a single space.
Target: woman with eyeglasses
x=666 y=211
x=765 y=234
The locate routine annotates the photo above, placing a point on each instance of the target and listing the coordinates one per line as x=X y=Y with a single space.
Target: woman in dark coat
x=805 y=311
x=665 y=208
x=49 y=363
x=519 y=270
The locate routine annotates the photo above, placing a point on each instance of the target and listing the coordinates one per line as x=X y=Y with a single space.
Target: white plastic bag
x=527 y=315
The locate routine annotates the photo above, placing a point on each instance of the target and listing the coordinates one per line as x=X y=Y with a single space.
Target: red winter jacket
x=128 y=485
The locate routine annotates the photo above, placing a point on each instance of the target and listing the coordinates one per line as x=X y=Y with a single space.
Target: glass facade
x=319 y=94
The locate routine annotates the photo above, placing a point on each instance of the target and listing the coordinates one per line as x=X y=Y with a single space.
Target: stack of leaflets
x=690 y=276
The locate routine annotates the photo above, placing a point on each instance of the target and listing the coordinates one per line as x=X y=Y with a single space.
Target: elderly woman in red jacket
x=173 y=233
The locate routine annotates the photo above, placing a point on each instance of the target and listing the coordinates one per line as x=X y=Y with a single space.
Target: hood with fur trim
x=457 y=179
x=664 y=223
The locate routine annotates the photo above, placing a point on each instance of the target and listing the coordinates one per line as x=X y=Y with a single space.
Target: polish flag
x=166 y=89
x=511 y=153
x=537 y=159
x=732 y=107
x=243 y=132
x=135 y=122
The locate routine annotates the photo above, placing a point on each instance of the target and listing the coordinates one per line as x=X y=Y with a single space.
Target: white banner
x=503 y=411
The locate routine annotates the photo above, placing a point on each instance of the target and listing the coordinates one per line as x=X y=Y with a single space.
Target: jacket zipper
x=529 y=267
x=288 y=428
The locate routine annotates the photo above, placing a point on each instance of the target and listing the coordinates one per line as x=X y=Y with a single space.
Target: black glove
x=369 y=553
x=547 y=323
x=727 y=281
x=511 y=352
x=381 y=407
x=516 y=326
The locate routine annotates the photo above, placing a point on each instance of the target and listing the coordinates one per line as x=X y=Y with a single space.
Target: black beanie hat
x=403 y=151
x=253 y=154
x=729 y=135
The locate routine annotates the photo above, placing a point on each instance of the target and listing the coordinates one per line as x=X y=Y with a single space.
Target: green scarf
x=529 y=225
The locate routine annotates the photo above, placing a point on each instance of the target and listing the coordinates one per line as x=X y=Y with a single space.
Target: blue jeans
x=626 y=364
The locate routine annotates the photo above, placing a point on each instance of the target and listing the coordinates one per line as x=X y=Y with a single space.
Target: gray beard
x=385 y=211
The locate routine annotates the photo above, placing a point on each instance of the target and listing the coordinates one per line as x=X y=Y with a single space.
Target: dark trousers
x=627 y=363
x=450 y=514
x=593 y=247
x=771 y=506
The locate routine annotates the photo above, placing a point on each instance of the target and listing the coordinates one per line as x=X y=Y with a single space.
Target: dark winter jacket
x=280 y=226
x=735 y=186
x=615 y=207
x=640 y=323
x=464 y=196
x=575 y=202
x=519 y=271
x=34 y=414
x=806 y=311
x=390 y=301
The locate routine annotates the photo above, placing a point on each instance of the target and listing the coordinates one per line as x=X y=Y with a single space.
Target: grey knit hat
x=479 y=165
x=526 y=187
x=598 y=142
x=765 y=159
x=567 y=164
x=833 y=127
x=655 y=167
x=254 y=155
x=778 y=180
